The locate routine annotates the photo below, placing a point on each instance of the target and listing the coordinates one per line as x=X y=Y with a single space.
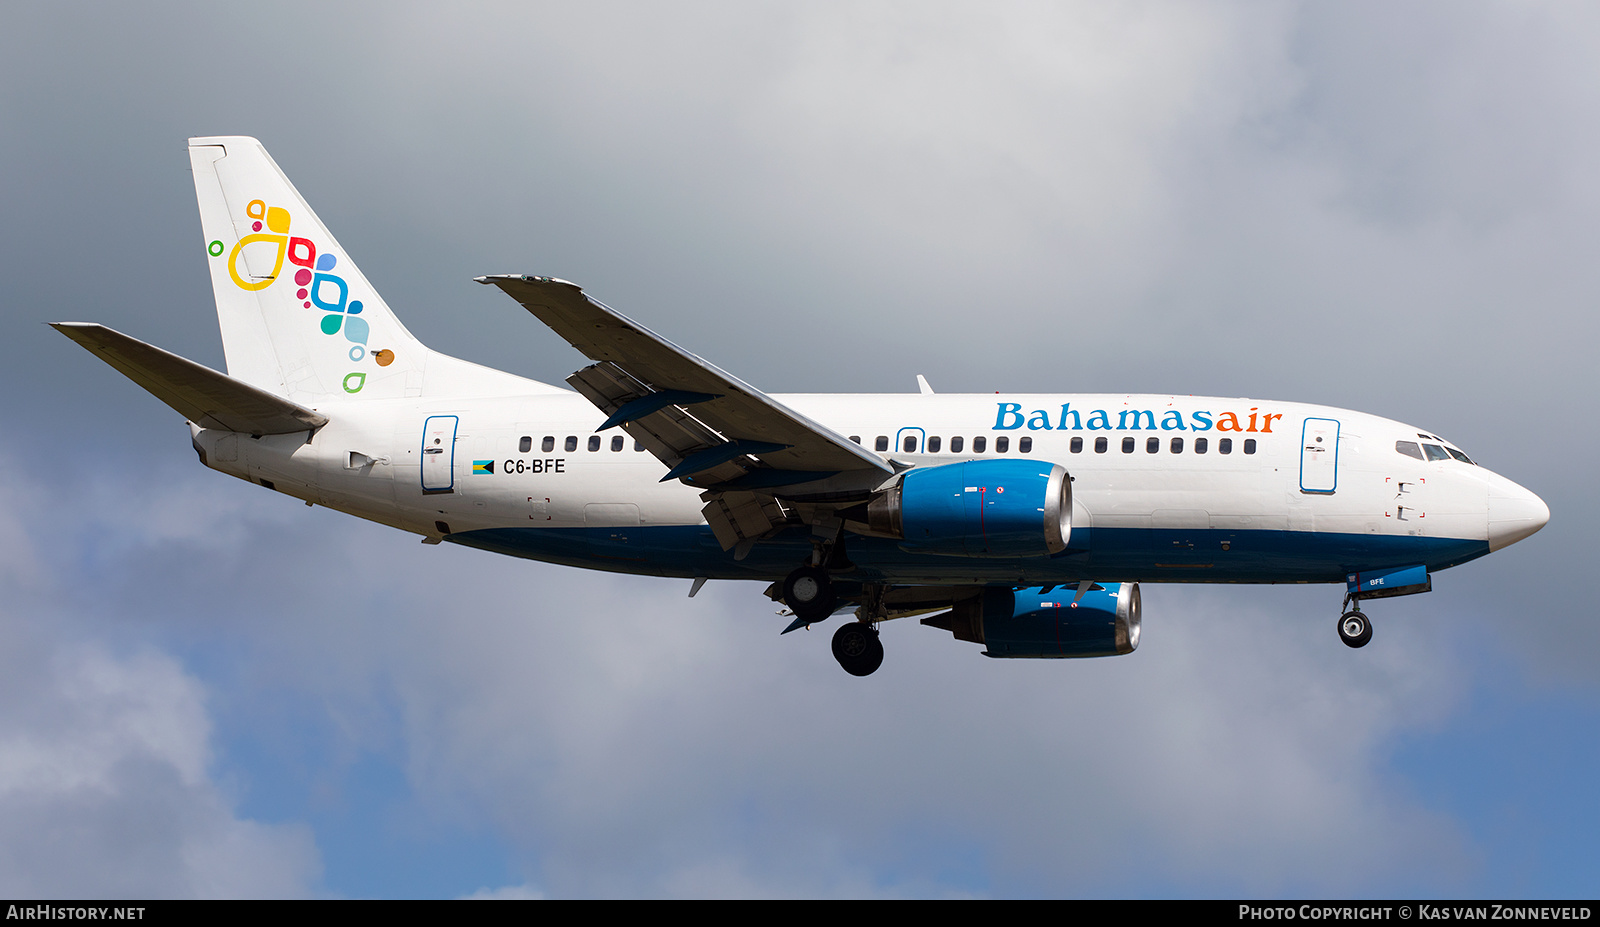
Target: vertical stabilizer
x=298 y=318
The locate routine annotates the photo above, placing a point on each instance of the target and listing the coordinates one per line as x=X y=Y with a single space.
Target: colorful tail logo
x=317 y=287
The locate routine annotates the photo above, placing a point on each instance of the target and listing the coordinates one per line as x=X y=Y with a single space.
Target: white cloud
x=634 y=742
x=522 y=892
x=105 y=787
x=106 y=784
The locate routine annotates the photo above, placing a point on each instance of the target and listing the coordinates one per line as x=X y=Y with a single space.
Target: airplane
x=1021 y=522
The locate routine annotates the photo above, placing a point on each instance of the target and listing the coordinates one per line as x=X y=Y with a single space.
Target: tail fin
x=298 y=318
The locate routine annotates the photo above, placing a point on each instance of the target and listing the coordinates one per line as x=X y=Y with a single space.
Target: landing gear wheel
x=1355 y=629
x=809 y=593
x=857 y=648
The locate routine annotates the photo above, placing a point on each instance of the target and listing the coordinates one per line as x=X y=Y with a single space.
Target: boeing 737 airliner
x=1023 y=523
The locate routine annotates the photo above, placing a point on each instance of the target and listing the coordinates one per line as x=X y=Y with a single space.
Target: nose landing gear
x=1354 y=628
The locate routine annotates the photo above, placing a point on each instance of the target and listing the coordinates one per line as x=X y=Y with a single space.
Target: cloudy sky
x=208 y=689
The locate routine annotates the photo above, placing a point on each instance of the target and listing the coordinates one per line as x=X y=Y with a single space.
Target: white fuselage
x=1171 y=479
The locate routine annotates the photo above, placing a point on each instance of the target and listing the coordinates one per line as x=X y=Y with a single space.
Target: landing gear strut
x=809 y=593
x=857 y=648
x=1354 y=628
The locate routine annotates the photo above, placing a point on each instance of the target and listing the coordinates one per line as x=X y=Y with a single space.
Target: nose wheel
x=857 y=648
x=1355 y=629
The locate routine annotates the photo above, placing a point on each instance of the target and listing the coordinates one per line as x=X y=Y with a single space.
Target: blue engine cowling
x=978 y=508
x=1032 y=623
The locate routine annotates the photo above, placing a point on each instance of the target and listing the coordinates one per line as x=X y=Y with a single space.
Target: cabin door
x=1319 y=455
x=439 y=453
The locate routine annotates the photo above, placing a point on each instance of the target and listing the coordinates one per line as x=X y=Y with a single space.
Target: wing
x=713 y=431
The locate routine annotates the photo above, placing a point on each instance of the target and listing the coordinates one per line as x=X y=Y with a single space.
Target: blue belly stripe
x=1099 y=554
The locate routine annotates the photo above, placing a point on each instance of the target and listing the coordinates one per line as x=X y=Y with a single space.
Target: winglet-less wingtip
x=487 y=279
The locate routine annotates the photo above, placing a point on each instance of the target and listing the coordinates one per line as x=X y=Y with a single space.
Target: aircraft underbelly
x=1113 y=555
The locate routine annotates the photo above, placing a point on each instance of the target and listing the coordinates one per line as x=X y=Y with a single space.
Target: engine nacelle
x=978 y=508
x=1031 y=623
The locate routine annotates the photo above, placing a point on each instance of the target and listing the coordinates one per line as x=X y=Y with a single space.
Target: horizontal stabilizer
x=195 y=391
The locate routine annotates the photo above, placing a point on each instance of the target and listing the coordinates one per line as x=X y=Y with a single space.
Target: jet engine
x=977 y=508
x=1104 y=622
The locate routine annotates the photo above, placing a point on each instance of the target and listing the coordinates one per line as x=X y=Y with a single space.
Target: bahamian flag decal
x=482 y=466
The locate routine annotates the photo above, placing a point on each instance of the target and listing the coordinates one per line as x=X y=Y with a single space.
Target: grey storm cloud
x=1377 y=207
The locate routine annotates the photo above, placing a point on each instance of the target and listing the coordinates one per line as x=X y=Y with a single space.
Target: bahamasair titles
x=1021 y=523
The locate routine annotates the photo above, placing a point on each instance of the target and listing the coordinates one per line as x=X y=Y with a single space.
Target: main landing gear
x=857 y=648
x=809 y=593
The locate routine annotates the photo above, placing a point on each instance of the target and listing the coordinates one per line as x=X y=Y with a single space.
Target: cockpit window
x=1431 y=452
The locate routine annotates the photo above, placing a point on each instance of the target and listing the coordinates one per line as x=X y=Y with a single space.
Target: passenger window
x=1224 y=445
x=572 y=443
x=1435 y=452
x=955 y=445
x=1200 y=445
x=979 y=443
x=933 y=445
x=616 y=442
x=1177 y=445
x=594 y=443
x=1077 y=445
x=856 y=438
x=1025 y=445
x=638 y=445
x=1152 y=446
x=1002 y=445
x=1249 y=445
x=909 y=445
x=1099 y=445
x=548 y=444
x=1127 y=445
x=526 y=444
x=882 y=444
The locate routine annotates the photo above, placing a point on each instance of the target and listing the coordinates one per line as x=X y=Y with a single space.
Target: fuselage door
x=439 y=453
x=1319 y=455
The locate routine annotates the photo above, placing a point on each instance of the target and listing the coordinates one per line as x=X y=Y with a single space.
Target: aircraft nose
x=1514 y=513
